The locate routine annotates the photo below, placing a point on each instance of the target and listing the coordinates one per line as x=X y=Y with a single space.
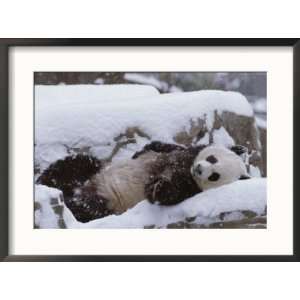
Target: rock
x=252 y=221
x=263 y=140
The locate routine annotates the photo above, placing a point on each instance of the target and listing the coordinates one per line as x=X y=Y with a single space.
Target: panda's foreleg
x=158 y=147
x=160 y=189
x=172 y=191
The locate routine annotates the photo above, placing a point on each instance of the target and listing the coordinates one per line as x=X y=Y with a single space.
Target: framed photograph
x=149 y=149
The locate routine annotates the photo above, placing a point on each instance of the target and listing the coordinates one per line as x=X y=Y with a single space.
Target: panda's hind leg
x=87 y=206
x=72 y=176
x=71 y=172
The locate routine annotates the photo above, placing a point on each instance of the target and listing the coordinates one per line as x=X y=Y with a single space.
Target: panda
x=160 y=172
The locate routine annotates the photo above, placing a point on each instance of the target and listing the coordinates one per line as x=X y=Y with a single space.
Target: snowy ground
x=260 y=110
x=90 y=117
x=204 y=208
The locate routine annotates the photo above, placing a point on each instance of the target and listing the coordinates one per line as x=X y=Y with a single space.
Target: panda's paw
x=160 y=189
x=158 y=147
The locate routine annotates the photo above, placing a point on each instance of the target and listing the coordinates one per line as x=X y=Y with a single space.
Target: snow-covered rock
x=89 y=93
x=260 y=106
x=239 y=201
x=106 y=120
x=71 y=100
x=50 y=210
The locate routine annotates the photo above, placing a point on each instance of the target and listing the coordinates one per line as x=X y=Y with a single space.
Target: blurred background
x=253 y=85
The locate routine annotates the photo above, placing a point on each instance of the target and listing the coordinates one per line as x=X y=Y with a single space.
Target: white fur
x=123 y=182
x=229 y=166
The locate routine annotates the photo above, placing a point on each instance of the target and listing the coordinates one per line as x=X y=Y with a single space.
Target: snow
x=261 y=123
x=92 y=116
x=175 y=89
x=254 y=171
x=221 y=137
x=45 y=217
x=204 y=140
x=89 y=93
x=99 y=81
x=147 y=80
x=206 y=207
x=48 y=198
x=75 y=98
x=260 y=105
x=234 y=84
x=45 y=155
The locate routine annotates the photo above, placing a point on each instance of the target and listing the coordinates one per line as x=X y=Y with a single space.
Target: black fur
x=214 y=177
x=158 y=147
x=170 y=179
x=239 y=149
x=87 y=205
x=212 y=159
x=71 y=173
x=244 y=177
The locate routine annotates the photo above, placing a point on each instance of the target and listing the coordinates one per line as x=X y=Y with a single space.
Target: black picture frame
x=5 y=45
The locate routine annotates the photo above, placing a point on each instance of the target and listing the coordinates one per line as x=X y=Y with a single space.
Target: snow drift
x=90 y=122
x=91 y=118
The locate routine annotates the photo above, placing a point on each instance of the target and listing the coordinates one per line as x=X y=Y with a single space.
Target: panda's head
x=216 y=165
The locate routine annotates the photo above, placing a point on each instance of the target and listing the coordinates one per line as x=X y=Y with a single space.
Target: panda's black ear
x=239 y=149
x=243 y=177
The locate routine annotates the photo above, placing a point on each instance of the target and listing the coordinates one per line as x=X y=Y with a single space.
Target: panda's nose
x=198 y=169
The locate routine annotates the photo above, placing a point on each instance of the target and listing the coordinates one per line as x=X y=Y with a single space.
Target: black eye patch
x=214 y=177
x=212 y=159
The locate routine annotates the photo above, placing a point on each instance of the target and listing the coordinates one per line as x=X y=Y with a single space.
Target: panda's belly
x=122 y=184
